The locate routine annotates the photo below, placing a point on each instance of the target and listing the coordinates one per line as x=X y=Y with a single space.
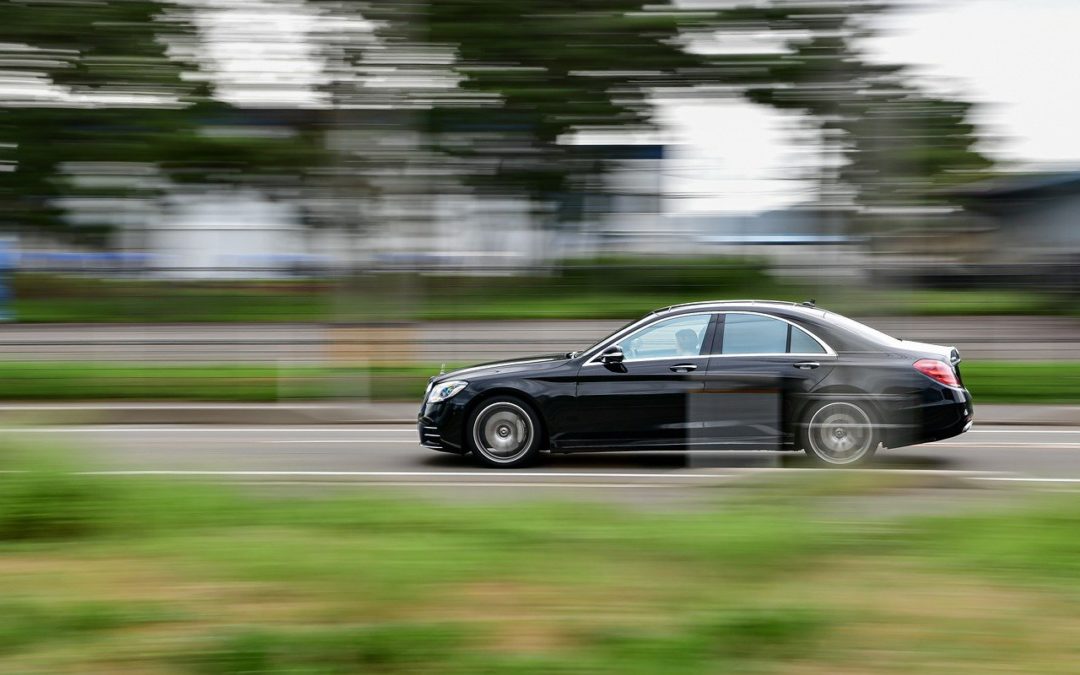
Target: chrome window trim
x=655 y=318
x=648 y=319
x=658 y=358
x=815 y=355
x=798 y=354
x=829 y=351
x=645 y=322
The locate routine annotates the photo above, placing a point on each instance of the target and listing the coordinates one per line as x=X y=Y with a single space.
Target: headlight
x=445 y=390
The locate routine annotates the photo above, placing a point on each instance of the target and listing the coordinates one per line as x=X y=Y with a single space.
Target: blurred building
x=625 y=213
x=802 y=240
x=1032 y=216
x=1011 y=232
x=384 y=198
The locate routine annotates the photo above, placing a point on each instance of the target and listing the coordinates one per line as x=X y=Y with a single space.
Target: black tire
x=839 y=433
x=504 y=432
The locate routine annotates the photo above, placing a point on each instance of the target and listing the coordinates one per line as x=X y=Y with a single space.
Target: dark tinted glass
x=753 y=334
x=801 y=343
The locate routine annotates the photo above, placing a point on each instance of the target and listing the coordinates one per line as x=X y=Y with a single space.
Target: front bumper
x=440 y=425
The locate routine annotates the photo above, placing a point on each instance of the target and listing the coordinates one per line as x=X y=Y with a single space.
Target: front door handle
x=683 y=368
x=807 y=365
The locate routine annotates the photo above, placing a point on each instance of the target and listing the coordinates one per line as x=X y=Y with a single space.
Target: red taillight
x=939 y=371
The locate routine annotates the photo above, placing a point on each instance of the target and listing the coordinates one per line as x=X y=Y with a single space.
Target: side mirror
x=612 y=355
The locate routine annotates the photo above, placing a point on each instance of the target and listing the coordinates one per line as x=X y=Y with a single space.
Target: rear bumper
x=950 y=415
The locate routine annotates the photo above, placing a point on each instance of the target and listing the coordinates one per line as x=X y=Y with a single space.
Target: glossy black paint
x=713 y=401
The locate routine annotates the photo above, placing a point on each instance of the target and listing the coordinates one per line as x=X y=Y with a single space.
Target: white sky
x=734 y=156
x=1017 y=59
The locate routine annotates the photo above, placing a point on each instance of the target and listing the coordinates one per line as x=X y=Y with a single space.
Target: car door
x=761 y=369
x=647 y=400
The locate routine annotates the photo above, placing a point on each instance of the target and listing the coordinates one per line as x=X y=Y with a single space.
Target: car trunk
x=949 y=355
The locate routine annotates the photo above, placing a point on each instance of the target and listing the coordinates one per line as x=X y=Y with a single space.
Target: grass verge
x=68 y=381
x=108 y=574
x=1022 y=382
x=989 y=381
x=605 y=289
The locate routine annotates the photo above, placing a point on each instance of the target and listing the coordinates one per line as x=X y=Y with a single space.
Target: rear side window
x=802 y=343
x=753 y=334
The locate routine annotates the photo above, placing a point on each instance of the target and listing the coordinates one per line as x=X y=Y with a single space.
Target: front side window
x=754 y=334
x=670 y=338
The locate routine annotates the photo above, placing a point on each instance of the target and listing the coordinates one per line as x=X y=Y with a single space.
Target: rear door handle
x=807 y=365
x=683 y=368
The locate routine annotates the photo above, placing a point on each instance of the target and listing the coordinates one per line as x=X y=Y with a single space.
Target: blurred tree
x=552 y=67
x=85 y=83
x=98 y=105
x=542 y=69
x=893 y=144
x=906 y=146
x=500 y=84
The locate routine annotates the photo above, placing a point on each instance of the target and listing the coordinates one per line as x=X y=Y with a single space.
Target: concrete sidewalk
x=258 y=414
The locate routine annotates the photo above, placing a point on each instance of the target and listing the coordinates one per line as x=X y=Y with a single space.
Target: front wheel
x=839 y=433
x=504 y=432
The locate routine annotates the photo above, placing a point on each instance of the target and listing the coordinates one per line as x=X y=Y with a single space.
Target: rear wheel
x=839 y=433
x=504 y=432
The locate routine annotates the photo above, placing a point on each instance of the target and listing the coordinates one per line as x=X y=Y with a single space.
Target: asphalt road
x=388 y=455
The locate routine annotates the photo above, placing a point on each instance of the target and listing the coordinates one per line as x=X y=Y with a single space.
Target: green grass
x=989 y=382
x=1016 y=382
x=615 y=288
x=59 y=381
x=42 y=298
x=110 y=574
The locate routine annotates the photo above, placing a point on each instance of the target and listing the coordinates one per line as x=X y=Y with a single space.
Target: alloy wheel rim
x=840 y=433
x=502 y=432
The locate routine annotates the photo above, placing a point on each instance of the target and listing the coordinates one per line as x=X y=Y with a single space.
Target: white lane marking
x=458 y=484
x=164 y=406
x=208 y=429
x=453 y=474
x=412 y=441
x=404 y=427
x=741 y=473
x=1021 y=429
x=1024 y=479
x=947 y=444
x=495 y=474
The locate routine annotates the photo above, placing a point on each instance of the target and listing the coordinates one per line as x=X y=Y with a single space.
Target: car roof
x=806 y=307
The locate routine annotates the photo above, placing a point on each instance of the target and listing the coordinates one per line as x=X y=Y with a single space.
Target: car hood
x=510 y=366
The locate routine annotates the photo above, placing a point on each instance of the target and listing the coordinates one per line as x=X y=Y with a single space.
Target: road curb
x=208 y=413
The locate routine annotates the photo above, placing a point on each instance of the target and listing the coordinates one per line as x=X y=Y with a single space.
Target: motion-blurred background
x=376 y=178
x=230 y=230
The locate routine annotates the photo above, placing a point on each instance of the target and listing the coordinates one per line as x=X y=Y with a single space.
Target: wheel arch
x=833 y=393
x=495 y=392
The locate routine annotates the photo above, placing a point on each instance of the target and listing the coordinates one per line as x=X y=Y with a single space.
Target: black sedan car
x=740 y=375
